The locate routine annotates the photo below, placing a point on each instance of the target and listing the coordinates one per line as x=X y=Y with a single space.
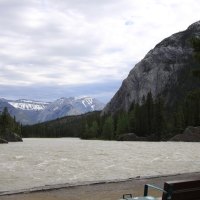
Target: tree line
x=150 y=118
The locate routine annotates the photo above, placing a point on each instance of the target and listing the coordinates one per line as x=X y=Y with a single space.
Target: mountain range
x=31 y=112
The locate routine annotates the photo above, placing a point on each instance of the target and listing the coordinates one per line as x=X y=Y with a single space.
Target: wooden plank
x=182 y=190
x=179 y=185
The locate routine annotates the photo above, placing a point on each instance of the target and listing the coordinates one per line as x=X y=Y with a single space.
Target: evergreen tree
x=193 y=108
x=178 y=121
x=85 y=133
x=150 y=111
x=131 y=121
x=122 y=124
x=137 y=121
x=93 y=131
x=108 y=128
x=159 y=120
x=5 y=119
x=143 y=118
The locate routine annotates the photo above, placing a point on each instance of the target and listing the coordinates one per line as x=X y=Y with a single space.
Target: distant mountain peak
x=70 y=106
x=31 y=111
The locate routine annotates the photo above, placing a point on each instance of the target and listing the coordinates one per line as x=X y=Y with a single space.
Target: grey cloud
x=103 y=91
x=28 y=61
x=12 y=14
x=53 y=75
x=71 y=50
x=94 y=9
x=114 y=49
x=12 y=9
x=12 y=74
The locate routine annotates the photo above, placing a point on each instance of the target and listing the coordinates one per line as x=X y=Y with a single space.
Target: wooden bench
x=173 y=190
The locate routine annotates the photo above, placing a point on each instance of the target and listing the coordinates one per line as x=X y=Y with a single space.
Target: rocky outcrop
x=161 y=72
x=191 y=134
x=2 y=141
x=134 y=137
x=11 y=137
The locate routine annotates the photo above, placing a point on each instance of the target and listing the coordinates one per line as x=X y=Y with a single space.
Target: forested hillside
x=70 y=126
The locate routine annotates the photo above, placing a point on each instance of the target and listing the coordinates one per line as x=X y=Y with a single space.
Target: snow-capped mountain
x=69 y=106
x=24 y=116
x=28 y=104
x=31 y=112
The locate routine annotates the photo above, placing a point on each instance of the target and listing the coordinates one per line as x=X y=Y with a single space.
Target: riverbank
x=96 y=191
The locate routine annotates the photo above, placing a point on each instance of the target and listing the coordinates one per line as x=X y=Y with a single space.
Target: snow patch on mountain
x=24 y=104
x=69 y=106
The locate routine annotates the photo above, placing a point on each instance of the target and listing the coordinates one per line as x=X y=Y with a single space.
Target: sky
x=61 y=48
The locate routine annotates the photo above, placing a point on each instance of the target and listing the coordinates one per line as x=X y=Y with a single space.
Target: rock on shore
x=2 y=141
x=191 y=134
x=13 y=137
x=10 y=137
x=131 y=137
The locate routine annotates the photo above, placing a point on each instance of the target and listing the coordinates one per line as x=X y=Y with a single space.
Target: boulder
x=131 y=137
x=191 y=134
x=2 y=141
x=12 y=137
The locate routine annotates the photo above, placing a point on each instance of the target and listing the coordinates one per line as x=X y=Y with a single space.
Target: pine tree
x=122 y=124
x=6 y=119
x=178 y=121
x=144 y=118
x=193 y=103
x=108 y=128
x=93 y=131
x=159 y=120
x=85 y=133
x=137 y=120
x=150 y=111
x=131 y=121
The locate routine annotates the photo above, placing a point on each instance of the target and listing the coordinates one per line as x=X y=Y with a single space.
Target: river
x=39 y=162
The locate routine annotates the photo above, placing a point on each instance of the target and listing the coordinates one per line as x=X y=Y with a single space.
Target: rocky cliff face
x=163 y=71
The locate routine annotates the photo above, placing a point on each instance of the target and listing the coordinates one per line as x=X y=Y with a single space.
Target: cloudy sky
x=60 y=48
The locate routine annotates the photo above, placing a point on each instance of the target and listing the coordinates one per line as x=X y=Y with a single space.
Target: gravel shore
x=96 y=191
